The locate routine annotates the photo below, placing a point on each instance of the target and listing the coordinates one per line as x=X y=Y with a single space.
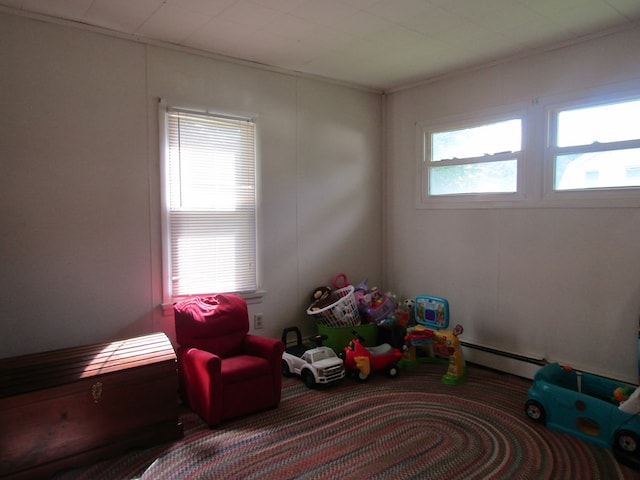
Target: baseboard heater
x=502 y=353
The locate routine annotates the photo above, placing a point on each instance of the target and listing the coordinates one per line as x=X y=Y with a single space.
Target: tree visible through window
x=476 y=159
x=596 y=147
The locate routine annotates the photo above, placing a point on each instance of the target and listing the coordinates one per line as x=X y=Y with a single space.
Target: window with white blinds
x=209 y=204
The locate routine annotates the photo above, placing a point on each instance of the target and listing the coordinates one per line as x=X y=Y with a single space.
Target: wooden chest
x=70 y=407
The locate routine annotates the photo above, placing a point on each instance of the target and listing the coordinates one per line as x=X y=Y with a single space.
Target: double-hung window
x=474 y=160
x=595 y=147
x=209 y=200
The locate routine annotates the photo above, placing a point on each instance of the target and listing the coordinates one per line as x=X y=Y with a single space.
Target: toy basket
x=343 y=312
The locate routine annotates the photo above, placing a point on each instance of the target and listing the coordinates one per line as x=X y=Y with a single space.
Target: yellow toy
x=431 y=335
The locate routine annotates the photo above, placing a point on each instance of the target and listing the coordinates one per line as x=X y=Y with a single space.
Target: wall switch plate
x=257 y=321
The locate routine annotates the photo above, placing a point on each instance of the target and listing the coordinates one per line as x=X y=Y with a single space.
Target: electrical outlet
x=257 y=321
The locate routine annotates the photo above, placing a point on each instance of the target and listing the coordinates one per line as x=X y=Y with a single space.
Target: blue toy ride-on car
x=597 y=409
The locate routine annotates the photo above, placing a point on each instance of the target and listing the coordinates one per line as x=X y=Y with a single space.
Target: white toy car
x=315 y=365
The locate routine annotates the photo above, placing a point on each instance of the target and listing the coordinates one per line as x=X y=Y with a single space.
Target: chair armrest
x=271 y=350
x=200 y=376
x=265 y=347
x=200 y=369
x=201 y=360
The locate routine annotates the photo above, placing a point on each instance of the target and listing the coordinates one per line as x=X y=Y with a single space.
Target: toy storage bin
x=381 y=312
x=343 y=312
x=339 y=337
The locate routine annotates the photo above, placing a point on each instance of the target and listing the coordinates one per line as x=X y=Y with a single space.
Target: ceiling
x=378 y=44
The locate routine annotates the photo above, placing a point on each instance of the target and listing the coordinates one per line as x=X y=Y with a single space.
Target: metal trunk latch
x=96 y=391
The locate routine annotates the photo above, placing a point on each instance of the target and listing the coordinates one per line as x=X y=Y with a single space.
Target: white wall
x=79 y=200
x=561 y=284
x=80 y=246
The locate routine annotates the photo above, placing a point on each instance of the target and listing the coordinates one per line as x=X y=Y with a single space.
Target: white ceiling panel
x=249 y=15
x=171 y=24
x=208 y=8
x=216 y=36
x=70 y=9
x=376 y=44
x=108 y=14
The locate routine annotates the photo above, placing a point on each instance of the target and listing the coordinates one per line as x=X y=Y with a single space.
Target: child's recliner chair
x=224 y=371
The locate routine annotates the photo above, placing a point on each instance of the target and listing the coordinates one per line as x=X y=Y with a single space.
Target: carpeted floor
x=413 y=426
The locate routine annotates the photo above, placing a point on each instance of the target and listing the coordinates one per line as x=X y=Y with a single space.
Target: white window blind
x=209 y=198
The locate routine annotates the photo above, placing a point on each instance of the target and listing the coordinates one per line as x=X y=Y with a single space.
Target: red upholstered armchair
x=224 y=371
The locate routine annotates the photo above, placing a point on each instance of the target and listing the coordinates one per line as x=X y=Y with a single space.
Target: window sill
x=250 y=298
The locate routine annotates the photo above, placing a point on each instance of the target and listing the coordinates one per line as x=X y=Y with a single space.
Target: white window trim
x=471 y=200
x=623 y=197
x=167 y=296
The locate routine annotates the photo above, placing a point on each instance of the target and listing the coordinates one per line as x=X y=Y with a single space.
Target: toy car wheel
x=362 y=377
x=627 y=442
x=308 y=379
x=535 y=411
x=286 y=372
x=392 y=371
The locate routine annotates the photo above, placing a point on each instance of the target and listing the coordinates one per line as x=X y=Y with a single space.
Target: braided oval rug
x=409 y=427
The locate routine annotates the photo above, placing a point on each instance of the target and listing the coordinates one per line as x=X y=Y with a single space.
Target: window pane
x=490 y=177
x=477 y=141
x=607 y=123
x=209 y=166
x=211 y=196
x=619 y=168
